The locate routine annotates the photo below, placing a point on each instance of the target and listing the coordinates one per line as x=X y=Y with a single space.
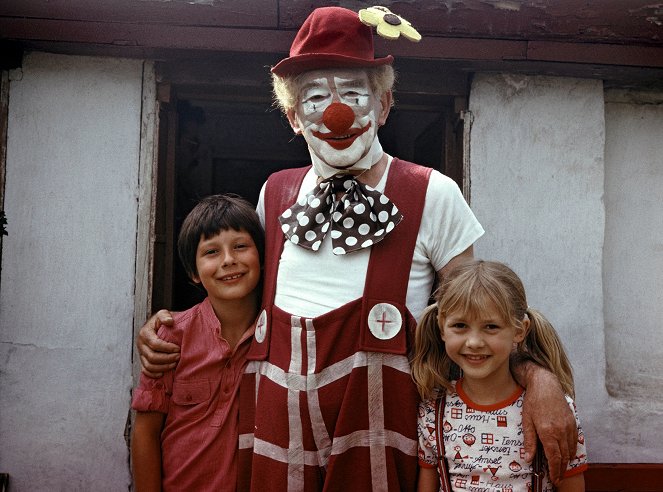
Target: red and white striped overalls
x=328 y=403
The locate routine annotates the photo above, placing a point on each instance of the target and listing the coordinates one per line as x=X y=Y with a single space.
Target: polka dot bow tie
x=362 y=217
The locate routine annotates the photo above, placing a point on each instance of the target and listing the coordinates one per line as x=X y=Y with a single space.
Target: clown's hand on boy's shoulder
x=156 y=355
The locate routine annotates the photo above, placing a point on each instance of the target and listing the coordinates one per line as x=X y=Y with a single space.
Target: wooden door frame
x=220 y=75
x=147 y=189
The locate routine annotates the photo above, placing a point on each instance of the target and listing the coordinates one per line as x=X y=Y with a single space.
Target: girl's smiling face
x=481 y=343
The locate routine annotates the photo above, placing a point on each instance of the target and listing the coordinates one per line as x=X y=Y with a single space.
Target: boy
x=185 y=434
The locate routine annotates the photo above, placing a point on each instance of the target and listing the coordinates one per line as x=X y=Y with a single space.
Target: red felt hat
x=331 y=37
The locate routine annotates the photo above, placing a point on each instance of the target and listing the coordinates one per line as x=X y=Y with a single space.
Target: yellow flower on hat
x=389 y=25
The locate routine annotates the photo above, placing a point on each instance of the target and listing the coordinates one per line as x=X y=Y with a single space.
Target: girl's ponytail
x=543 y=346
x=430 y=364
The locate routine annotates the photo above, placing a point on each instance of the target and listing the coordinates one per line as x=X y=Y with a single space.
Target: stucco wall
x=66 y=297
x=633 y=270
x=549 y=191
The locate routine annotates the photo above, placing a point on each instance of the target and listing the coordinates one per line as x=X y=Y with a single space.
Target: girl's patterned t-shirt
x=483 y=445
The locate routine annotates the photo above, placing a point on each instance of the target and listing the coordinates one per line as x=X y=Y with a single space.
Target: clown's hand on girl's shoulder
x=156 y=356
x=546 y=412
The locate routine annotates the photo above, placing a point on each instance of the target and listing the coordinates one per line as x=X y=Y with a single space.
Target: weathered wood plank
x=230 y=13
x=610 y=21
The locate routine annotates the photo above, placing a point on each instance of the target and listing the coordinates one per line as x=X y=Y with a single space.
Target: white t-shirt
x=483 y=444
x=313 y=283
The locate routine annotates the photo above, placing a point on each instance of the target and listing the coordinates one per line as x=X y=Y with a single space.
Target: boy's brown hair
x=212 y=215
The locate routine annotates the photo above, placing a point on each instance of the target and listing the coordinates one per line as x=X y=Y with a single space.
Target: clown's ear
x=294 y=121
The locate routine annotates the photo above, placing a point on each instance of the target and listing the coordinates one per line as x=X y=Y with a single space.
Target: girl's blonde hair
x=471 y=288
x=286 y=89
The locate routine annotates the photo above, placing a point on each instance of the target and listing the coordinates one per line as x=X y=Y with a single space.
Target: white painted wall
x=566 y=187
x=633 y=272
x=66 y=293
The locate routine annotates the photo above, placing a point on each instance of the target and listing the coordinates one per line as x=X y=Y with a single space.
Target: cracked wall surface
x=633 y=254
x=66 y=303
x=565 y=185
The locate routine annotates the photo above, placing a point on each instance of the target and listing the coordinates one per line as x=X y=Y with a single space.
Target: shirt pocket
x=190 y=399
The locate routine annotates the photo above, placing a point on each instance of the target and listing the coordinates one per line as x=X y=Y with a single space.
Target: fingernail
x=528 y=457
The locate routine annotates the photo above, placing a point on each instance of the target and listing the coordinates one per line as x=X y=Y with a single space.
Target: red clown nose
x=338 y=117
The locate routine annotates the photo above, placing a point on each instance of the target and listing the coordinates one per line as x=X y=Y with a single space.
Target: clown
x=329 y=106
x=353 y=246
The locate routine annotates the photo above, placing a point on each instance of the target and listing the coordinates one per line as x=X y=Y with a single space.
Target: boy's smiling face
x=228 y=265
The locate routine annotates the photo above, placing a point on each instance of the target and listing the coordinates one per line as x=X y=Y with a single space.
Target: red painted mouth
x=342 y=142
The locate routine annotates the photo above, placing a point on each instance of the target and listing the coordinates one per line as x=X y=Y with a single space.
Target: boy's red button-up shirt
x=200 y=436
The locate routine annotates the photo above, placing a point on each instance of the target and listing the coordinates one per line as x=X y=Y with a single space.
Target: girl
x=474 y=422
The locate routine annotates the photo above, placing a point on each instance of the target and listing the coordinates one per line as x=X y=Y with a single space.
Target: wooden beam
x=146 y=35
x=140 y=37
x=454 y=49
x=599 y=21
x=603 y=54
x=228 y=13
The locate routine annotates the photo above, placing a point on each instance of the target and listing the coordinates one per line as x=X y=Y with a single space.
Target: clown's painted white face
x=339 y=114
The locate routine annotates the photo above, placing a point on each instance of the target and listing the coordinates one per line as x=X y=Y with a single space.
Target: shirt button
x=189 y=397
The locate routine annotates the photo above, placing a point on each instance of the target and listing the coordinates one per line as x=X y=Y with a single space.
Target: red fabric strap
x=406 y=187
x=280 y=192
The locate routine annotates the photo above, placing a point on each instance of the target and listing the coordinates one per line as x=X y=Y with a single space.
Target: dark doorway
x=224 y=136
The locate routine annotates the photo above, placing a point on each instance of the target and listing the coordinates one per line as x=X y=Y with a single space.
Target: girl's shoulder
x=572 y=406
x=569 y=400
